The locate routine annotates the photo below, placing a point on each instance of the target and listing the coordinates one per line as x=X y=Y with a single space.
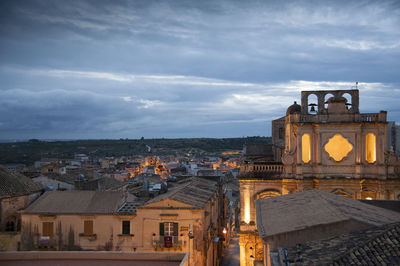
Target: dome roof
x=293 y=109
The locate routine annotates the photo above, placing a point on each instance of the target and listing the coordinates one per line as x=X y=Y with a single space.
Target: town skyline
x=184 y=69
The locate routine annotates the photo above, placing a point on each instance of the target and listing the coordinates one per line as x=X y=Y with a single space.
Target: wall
x=84 y=258
x=9 y=241
x=106 y=228
x=11 y=205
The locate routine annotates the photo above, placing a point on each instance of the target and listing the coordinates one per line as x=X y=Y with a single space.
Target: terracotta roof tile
x=301 y=210
x=76 y=202
x=374 y=246
x=196 y=192
x=12 y=184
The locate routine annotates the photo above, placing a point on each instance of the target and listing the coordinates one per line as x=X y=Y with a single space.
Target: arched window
x=312 y=104
x=306 y=148
x=349 y=99
x=10 y=226
x=370 y=148
x=326 y=98
x=268 y=193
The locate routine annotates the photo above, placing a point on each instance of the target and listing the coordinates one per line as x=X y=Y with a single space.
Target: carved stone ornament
x=288 y=157
x=338 y=147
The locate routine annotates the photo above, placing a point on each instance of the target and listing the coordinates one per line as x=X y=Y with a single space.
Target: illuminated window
x=338 y=147
x=47 y=229
x=370 y=148
x=306 y=148
x=246 y=206
x=88 y=227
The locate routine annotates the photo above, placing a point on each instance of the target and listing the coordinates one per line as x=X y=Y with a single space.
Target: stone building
x=16 y=193
x=185 y=219
x=293 y=219
x=325 y=144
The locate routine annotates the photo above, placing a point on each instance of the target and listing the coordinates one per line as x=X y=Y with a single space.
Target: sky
x=172 y=69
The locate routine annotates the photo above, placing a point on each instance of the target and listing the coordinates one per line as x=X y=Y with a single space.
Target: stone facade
x=188 y=218
x=327 y=144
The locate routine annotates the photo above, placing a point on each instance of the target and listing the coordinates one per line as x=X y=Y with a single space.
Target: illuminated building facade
x=323 y=144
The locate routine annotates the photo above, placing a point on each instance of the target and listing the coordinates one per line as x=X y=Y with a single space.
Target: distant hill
x=33 y=150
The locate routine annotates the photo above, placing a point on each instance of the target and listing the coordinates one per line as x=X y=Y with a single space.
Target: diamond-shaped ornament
x=338 y=147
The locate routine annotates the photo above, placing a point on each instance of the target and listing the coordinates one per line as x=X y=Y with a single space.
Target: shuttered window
x=169 y=229
x=47 y=229
x=126 y=227
x=88 y=227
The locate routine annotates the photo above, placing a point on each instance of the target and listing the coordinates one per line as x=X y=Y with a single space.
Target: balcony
x=260 y=169
x=167 y=243
x=325 y=118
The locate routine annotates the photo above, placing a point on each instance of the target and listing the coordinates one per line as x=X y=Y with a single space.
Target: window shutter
x=176 y=229
x=88 y=227
x=126 y=227
x=161 y=229
x=47 y=229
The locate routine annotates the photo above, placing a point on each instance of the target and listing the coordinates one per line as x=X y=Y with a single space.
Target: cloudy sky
x=127 y=69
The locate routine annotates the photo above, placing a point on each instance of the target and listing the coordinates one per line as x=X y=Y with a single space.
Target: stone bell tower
x=329 y=138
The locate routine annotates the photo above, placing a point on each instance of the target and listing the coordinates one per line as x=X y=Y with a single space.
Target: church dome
x=293 y=109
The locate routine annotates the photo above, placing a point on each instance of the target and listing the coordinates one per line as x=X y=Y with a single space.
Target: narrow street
x=232 y=253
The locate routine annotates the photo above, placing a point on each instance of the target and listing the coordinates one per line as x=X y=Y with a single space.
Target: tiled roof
x=76 y=202
x=129 y=207
x=195 y=191
x=13 y=184
x=302 y=210
x=375 y=246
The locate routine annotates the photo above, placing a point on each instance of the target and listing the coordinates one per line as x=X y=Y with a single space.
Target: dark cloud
x=186 y=68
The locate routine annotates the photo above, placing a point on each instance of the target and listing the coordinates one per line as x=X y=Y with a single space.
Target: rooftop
x=193 y=191
x=76 y=202
x=13 y=184
x=375 y=246
x=302 y=210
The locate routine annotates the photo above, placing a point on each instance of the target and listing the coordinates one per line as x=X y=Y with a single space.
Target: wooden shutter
x=47 y=229
x=161 y=229
x=126 y=227
x=88 y=227
x=176 y=229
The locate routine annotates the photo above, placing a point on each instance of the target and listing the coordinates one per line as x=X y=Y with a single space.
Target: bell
x=312 y=108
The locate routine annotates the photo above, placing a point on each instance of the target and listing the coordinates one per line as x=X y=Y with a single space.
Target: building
x=324 y=144
x=185 y=219
x=73 y=220
x=52 y=183
x=16 y=193
x=293 y=219
x=53 y=168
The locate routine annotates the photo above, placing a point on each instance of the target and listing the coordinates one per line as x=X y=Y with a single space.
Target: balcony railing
x=167 y=242
x=261 y=168
x=366 y=117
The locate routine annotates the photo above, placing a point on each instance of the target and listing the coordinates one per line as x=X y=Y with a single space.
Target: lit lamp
x=224 y=231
